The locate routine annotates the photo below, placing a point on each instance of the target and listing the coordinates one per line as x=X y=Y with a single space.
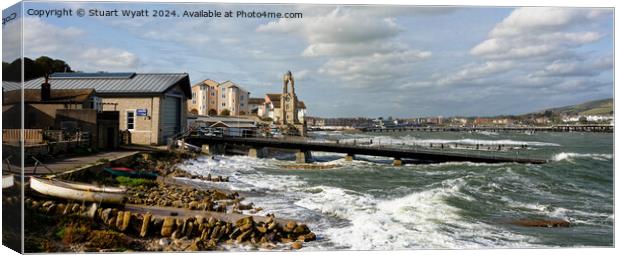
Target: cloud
x=474 y=72
x=576 y=67
x=107 y=59
x=378 y=67
x=535 y=32
x=69 y=44
x=360 y=45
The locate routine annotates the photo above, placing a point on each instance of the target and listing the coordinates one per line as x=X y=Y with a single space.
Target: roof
x=59 y=96
x=214 y=119
x=233 y=125
x=276 y=98
x=256 y=100
x=208 y=82
x=116 y=83
x=11 y=85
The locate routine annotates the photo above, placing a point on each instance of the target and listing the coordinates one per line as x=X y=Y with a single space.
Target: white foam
x=419 y=220
x=412 y=140
x=571 y=155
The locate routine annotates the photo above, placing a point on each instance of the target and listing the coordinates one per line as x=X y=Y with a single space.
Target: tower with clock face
x=288 y=105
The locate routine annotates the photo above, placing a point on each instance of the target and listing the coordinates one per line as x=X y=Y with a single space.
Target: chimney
x=46 y=89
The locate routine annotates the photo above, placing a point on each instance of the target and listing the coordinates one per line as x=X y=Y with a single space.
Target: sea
x=369 y=204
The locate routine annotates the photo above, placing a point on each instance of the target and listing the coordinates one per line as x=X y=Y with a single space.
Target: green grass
x=133 y=182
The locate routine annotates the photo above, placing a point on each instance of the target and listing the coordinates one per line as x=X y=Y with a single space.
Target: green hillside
x=596 y=107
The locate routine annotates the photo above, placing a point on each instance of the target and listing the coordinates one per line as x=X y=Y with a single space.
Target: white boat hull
x=76 y=191
x=8 y=181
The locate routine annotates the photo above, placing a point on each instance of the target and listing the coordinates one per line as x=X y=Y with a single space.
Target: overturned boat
x=78 y=191
x=8 y=181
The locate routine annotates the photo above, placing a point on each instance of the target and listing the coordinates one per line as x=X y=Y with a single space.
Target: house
x=256 y=106
x=69 y=111
x=272 y=108
x=212 y=98
x=151 y=106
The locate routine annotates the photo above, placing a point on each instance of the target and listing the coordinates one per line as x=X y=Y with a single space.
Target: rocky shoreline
x=158 y=216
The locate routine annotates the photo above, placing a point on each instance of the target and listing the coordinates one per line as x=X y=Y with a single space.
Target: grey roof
x=11 y=85
x=116 y=83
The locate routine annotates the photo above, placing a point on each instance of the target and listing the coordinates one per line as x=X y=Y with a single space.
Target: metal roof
x=99 y=75
x=11 y=85
x=117 y=83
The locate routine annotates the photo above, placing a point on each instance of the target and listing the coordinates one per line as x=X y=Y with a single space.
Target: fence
x=31 y=136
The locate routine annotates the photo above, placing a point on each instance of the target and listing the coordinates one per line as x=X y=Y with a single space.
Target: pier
x=304 y=147
x=555 y=128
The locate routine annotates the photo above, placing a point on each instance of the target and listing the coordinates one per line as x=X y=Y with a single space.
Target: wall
x=146 y=129
x=86 y=120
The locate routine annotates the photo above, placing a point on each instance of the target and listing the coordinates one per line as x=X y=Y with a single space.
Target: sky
x=349 y=61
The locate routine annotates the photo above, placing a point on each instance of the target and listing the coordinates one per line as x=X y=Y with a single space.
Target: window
x=223 y=104
x=241 y=97
x=241 y=104
x=213 y=94
x=130 y=120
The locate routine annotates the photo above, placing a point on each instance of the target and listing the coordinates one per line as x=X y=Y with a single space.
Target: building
x=233 y=99
x=204 y=98
x=256 y=106
x=212 y=98
x=151 y=106
x=230 y=126
x=272 y=108
x=60 y=111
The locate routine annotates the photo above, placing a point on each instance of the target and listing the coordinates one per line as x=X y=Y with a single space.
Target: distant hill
x=596 y=107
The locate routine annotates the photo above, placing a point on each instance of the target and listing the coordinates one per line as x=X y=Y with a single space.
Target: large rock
x=548 y=223
x=244 y=236
x=146 y=221
x=296 y=245
x=167 y=226
x=244 y=221
x=126 y=221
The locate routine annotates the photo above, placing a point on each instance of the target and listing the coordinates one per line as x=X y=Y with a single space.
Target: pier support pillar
x=256 y=152
x=213 y=149
x=303 y=156
x=397 y=162
x=349 y=157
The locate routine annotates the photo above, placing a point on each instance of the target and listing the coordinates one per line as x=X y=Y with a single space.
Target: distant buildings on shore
x=285 y=110
x=526 y=120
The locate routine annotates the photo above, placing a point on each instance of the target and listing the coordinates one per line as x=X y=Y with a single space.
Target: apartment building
x=212 y=98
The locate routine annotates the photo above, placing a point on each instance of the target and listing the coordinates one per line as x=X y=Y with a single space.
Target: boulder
x=296 y=245
x=167 y=226
x=146 y=221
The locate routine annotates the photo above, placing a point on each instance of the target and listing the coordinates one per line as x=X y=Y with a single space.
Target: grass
x=133 y=182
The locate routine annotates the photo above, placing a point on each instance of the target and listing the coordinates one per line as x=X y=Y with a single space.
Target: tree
x=32 y=68
x=225 y=112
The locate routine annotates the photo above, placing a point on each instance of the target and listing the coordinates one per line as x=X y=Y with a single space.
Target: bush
x=133 y=182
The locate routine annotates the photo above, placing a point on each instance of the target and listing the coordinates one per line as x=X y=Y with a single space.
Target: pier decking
x=304 y=147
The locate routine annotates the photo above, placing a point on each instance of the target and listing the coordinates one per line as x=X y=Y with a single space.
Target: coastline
x=177 y=212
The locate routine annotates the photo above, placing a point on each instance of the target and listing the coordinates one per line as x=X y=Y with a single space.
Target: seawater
x=368 y=204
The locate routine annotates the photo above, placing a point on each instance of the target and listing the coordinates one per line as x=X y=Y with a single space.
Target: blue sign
x=141 y=112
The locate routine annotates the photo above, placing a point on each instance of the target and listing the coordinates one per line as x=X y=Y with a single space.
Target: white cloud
x=536 y=32
x=107 y=59
x=474 y=72
x=44 y=39
x=576 y=67
x=361 y=47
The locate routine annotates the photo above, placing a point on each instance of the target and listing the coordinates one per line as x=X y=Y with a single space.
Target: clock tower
x=288 y=104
